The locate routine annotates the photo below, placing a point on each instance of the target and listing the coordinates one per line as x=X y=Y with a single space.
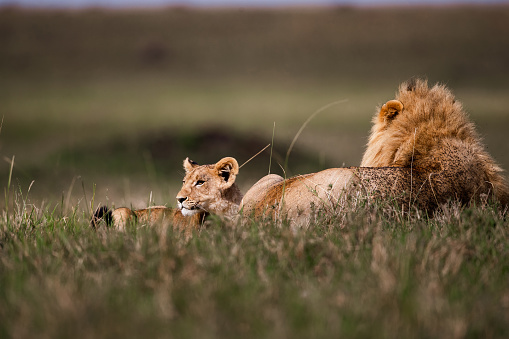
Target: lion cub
x=206 y=189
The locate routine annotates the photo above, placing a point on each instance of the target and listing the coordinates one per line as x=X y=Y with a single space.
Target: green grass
x=364 y=274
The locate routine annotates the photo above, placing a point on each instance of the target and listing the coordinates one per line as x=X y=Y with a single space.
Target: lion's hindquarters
x=324 y=189
x=297 y=198
x=257 y=194
x=322 y=193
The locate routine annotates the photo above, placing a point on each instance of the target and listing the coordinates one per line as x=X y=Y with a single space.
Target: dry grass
x=369 y=271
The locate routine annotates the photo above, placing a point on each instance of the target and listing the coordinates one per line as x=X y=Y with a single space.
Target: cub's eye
x=199 y=182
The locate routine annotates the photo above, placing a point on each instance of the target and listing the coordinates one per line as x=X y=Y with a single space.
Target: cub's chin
x=187 y=212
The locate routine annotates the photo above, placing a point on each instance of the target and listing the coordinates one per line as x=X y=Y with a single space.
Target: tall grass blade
x=272 y=146
x=8 y=190
x=311 y=117
x=254 y=156
x=84 y=192
x=92 y=200
x=68 y=196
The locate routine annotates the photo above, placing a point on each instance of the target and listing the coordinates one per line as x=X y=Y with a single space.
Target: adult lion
x=425 y=128
x=422 y=151
x=206 y=189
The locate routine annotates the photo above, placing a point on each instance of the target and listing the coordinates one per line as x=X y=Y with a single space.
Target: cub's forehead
x=200 y=173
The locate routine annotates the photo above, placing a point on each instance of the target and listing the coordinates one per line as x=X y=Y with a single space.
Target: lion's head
x=426 y=128
x=210 y=188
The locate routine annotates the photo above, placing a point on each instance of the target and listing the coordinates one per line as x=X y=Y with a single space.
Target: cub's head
x=204 y=186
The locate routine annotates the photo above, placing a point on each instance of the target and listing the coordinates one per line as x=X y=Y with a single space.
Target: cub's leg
x=118 y=218
x=121 y=217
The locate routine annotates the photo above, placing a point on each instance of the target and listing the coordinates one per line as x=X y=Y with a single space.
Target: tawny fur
x=299 y=199
x=210 y=188
x=293 y=199
x=421 y=126
x=121 y=217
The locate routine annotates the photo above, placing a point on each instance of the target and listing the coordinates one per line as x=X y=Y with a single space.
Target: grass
x=364 y=274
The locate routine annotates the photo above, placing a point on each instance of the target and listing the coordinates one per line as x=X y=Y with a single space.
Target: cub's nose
x=181 y=199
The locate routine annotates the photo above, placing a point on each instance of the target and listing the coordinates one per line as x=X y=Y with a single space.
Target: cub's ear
x=189 y=165
x=390 y=110
x=227 y=168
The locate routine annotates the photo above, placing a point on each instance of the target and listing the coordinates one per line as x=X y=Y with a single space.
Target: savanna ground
x=102 y=107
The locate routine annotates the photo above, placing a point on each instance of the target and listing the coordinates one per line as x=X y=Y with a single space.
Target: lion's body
x=156 y=215
x=294 y=198
x=299 y=198
x=423 y=151
x=121 y=217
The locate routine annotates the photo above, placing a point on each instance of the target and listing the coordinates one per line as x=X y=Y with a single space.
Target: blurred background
x=102 y=100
